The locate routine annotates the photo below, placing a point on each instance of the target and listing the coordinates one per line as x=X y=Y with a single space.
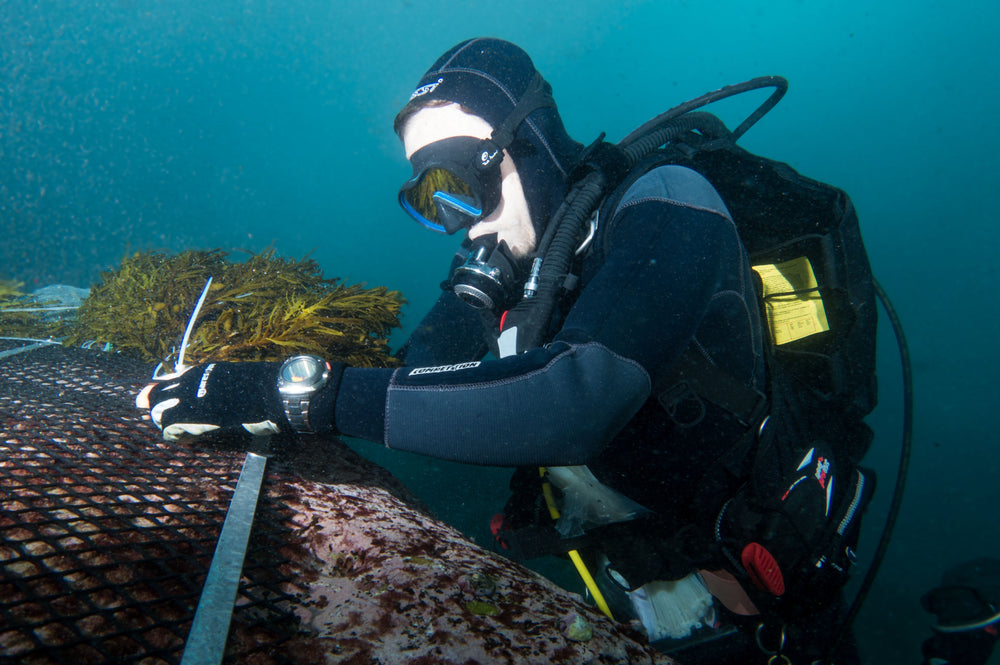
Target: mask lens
x=440 y=199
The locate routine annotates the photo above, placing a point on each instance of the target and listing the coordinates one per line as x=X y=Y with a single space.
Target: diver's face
x=511 y=221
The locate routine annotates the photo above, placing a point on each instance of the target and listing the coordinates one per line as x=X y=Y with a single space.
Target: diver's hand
x=972 y=647
x=226 y=398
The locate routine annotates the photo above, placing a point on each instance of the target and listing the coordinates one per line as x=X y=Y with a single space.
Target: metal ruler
x=206 y=642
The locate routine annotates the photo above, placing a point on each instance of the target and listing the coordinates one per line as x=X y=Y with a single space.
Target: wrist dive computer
x=299 y=378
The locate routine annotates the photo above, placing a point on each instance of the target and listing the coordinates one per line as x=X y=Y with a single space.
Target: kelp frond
x=22 y=315
x=10 y=289
x=265 y=308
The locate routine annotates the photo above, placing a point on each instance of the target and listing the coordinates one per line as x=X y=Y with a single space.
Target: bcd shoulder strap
x=693 y=372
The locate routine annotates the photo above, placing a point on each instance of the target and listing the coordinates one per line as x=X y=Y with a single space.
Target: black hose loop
x=904 y=468
x=559 y=249
x=587 y=194
x=779 y=84
x=706 y=123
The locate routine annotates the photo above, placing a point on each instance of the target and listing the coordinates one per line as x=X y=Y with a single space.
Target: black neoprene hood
x=487 y=76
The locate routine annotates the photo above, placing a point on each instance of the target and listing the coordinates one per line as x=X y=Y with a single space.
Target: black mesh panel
x=107 y=532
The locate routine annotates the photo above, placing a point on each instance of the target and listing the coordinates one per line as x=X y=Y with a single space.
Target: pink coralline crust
x=384 y=583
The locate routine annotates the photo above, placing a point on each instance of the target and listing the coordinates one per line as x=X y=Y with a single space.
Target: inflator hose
x=706 y=123
x=779 y=84
x=578 y=205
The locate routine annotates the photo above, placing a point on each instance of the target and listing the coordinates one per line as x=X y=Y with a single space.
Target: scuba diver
x=601 y=331
x=967 y=607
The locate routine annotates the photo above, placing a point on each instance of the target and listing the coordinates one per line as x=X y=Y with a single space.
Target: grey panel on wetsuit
x=678 y=185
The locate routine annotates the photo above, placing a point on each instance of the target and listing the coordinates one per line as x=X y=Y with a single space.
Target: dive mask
x=455 y=183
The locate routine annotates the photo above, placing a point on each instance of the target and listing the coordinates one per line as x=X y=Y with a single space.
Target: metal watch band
x=299 y=379
x=297 y=412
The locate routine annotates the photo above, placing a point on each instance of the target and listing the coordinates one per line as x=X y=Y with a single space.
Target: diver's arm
x=551 y=405
x=559 y=405
x=556 y=405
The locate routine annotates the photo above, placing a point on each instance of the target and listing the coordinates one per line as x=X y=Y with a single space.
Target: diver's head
x=489 y=151
x=447 y=193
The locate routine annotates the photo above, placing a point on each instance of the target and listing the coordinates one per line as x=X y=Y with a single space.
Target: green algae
x=579 y=629
x=481 y=608
x=263 y=308
x=23 y=316
x=9 y=288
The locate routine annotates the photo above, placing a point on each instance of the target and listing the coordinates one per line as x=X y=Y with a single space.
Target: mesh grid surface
x=107 y=532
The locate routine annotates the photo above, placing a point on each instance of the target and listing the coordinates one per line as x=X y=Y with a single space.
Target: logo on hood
x=486 y=157
x=426 y=89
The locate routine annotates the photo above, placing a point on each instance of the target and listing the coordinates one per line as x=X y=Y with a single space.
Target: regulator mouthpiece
x=486 y=280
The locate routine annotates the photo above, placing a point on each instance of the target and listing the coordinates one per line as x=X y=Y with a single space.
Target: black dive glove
x=966 y=648
x=232 y=398
x=967 y=621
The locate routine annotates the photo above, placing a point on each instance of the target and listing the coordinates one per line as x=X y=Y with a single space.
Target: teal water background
x=169 y=125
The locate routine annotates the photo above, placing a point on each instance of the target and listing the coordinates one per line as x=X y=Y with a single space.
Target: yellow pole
x=574 y=555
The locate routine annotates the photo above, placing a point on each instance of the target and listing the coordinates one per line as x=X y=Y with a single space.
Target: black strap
x=536 y=96
x=694 y=373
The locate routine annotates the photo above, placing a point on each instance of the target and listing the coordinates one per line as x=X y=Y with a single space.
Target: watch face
x=302 y=374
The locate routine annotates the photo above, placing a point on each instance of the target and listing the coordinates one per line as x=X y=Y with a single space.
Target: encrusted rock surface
x=384 y=583
x=107 y=532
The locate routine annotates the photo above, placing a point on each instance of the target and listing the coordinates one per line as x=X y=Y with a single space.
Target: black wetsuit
x=668 y=271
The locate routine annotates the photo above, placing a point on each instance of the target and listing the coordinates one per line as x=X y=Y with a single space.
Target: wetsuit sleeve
x=560 y=405
x=550 y=406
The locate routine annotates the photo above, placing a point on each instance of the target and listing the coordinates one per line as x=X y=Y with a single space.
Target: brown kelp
x=263 y=308
x=22 y=315
x=10 y=288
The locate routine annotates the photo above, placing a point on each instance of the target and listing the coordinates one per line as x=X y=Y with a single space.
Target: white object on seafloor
x=673 y=609
x=62 y=294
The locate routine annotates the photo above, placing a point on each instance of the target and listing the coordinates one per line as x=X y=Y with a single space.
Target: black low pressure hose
x=779 y=84
x=706 y=123
x=558 y=251
x=904 y=468
x=586 y=197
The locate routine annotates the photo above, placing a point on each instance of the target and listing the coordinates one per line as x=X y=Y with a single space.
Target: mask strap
x=535 y=96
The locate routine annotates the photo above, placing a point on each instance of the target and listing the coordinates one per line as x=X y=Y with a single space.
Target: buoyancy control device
x=790 y=532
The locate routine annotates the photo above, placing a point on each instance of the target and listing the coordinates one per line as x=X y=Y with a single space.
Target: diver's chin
x=521 y=251
x=519 y=246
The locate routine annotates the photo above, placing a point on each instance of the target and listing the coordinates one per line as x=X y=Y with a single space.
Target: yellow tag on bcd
x=792 y=300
